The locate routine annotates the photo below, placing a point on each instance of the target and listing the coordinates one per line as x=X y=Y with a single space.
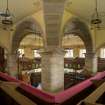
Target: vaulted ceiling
x=86 y=8
x=21 y=8
x=83 y=9
x=32 y=40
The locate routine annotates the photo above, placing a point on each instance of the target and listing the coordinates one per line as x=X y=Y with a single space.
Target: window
x=69 y=53
x=102 y=53
x=82 y=53
x=36 y=54
x=21 y=52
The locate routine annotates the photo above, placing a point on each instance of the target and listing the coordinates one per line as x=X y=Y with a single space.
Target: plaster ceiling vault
x=86 y=8
x=32 y=40
x=72 y=40
x=79 y=8
x=21 y=8
x=68 y=41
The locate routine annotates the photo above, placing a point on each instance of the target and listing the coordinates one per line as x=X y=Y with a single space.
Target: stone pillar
x=91 y=63
x=29 y=53
x=76 y=52
x=12 y=68
x=52 y=70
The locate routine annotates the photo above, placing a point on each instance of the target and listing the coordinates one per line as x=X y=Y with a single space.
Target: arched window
x=36 y=54
x=21 y=52
x=102 y=53
x=69 y=53
x=82 y=53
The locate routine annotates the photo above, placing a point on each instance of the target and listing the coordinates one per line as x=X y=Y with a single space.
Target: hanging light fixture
x=96 y=19
x=6 y=16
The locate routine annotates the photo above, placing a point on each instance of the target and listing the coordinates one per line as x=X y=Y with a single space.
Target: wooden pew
x=95 y=98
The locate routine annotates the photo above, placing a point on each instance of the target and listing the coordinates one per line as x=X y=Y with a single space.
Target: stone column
x=29 y=53
x=52 y=70
x=91 y=63
x=12 y=68
x=76 y=52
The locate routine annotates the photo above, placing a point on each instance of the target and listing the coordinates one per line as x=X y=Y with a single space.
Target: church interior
x=52 y=52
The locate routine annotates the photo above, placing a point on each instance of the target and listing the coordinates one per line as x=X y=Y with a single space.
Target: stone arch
x=77 y=27
x=26 y=27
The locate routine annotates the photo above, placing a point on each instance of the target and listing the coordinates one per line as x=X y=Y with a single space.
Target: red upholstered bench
x=67 y=94
x=99 y=76
x=6 y=77
x=47 y=97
